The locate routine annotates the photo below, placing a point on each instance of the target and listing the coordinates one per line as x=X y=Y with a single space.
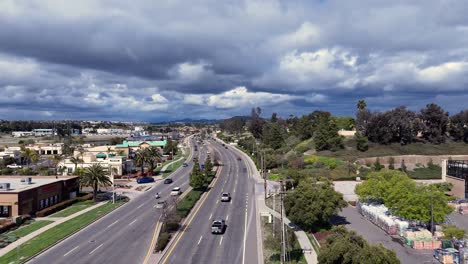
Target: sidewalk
x=301 y=236
x=57 y=221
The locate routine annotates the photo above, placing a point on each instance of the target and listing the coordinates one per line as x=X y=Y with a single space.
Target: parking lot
x=354 y=221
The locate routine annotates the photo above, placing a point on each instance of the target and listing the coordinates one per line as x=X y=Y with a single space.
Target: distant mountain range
x=190 y=120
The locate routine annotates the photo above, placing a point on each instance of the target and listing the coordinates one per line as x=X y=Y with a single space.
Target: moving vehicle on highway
x=226 y=197
x=239 y=158
x=218 y=226
x=145 y=180
x=167 y=181
x=176 y=191
x=184 y=165
x=14 y=166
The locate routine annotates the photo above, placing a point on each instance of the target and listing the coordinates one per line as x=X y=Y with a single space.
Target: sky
x=168 y=59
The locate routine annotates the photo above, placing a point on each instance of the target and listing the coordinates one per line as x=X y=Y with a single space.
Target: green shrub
x=163 y=240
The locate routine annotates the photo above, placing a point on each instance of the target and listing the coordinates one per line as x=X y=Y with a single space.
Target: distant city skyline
x=158 y=61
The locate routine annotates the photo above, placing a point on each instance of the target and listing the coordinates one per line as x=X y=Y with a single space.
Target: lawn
x=172 y=168
x=26 y=230
x=73 y=208
x=53 y=235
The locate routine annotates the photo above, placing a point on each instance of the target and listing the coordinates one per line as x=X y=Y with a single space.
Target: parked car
x=145 y=180
x=218 y=226
x=161 y=204
x=185 y=165
x=167 y=181
x=176 y=191
x=14 y=166
x=226 y=197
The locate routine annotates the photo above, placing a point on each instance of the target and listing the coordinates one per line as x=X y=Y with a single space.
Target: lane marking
x=201 y=237
x=182 y=233
x=131 y=223
x=221 y=241
x=152 y=242
x=227 y=217
x=211 y=215
x=95 y=249
x=245 y=237
x=70 y=251
x=140 y=206
x=115 y=222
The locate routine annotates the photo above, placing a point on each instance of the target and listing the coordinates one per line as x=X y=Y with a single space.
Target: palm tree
x=95 y=176
x=154 y=156
x=140 y=160
x=361 y=105
x=27 y=155
x=75 y=160
x=55 y=159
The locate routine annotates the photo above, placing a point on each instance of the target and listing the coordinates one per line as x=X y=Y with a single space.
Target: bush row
x=163 y=240
x=7 y=225
x=57 y=207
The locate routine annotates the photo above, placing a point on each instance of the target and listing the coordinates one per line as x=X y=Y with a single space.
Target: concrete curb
x=69 y=235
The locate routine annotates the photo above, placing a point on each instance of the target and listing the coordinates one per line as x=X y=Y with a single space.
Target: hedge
x=10 y=224
x=57 y=207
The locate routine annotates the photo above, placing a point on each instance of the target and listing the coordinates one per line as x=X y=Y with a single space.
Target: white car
x=176 y=191
x=14 y=166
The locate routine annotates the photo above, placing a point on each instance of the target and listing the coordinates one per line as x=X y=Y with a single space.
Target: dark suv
x=168 y=181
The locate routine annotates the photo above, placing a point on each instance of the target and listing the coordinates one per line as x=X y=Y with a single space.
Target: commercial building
x=21 y=195
x=119 y=165
x=47 y=149
x=456 y=173
x=22 y=133
x=41 y=132
x=130 y=147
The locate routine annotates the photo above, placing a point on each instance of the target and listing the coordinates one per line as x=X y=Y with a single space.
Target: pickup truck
x=14 y=166
x=218 y=226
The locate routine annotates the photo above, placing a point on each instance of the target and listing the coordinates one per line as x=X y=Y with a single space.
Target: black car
x=168 y=181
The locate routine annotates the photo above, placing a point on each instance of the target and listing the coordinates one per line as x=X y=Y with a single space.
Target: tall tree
x=326 y=136
x=273 y=135
x=307 y=207
x=256 y=122
x=274 y=118
x=95 y=176
x=435 y=123
x=153 y=156
x=362 y=143
x=459 y=126
x=362 y=117
x=197 y=178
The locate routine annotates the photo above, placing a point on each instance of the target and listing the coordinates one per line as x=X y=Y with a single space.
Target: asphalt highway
x=239 y=242
x=123 y=236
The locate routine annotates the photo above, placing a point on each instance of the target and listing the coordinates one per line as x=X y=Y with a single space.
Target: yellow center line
x=190 y=221
x=152 y=242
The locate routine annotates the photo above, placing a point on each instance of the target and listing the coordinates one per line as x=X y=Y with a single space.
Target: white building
x=17 y=134
x=41 y=132
x=108 y=161
x=11 y=152
x=47 y=149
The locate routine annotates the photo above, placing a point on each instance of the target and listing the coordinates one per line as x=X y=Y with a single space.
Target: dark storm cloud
x=158 y=59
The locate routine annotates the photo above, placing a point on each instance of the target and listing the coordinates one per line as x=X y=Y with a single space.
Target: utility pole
x=432 y=214
x=274 y=208
x=283 y=235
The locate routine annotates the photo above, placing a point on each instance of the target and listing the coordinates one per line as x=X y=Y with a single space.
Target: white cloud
x=240 y=96
x=158 y=98
x=307 y=34
x=191 y=71
x=443 y=72
x=194 y=99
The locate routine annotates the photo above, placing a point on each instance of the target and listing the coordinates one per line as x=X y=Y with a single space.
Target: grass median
x=53 y=235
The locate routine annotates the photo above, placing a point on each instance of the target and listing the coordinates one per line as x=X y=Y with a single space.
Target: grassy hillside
x=376 y=150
